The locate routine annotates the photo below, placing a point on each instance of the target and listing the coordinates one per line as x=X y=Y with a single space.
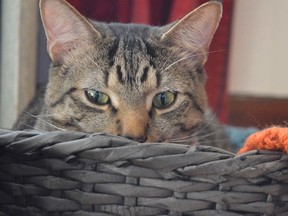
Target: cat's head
x=142 y=82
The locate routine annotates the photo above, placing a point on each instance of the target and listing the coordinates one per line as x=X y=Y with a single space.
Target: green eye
x=97 y=97
x=164 y=100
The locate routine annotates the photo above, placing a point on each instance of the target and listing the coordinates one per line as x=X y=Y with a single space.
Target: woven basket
x=78 y=174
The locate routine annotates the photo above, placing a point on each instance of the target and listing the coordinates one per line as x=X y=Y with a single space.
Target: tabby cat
x=141 y=82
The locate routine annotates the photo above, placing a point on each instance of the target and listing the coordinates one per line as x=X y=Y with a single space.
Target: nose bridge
x=134 y=123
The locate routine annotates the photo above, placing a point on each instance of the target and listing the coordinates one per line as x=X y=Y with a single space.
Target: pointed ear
x=65 y=28
x=194 y=32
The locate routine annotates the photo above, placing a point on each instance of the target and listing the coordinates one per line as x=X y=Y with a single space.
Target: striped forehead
x=132 y=60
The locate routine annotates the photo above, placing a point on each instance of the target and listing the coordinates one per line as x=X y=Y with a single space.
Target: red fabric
x=161 y=12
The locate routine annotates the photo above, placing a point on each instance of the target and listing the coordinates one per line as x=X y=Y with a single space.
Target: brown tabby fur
x=131 y=64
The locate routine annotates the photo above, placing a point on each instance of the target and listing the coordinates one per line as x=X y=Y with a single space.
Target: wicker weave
x=73 y=174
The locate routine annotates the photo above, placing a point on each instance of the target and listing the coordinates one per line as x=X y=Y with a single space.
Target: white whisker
x=45 y=121
x=207 y=123
x=197 y=137
x=166 y=61
x=198 y=132
x=34 y=128
x=184 y=58
x=190 y=56
x=216 y=140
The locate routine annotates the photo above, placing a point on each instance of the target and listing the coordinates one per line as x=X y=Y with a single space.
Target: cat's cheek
x=152 y=138
x=160 y=132
x=114 y=128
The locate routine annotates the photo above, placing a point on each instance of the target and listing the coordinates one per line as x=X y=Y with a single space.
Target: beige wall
x=259 y=50
x=18 y=44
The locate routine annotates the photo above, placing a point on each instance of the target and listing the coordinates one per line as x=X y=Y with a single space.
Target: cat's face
x=145 y=83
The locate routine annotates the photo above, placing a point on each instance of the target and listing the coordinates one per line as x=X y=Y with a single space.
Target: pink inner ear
x=63 y=25
x=58 y=50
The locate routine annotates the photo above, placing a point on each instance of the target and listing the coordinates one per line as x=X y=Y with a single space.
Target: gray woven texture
x=75 y=174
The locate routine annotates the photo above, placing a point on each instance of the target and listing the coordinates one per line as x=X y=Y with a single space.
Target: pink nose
x=134 y=126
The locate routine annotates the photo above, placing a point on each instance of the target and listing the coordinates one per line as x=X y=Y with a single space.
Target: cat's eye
x=97 y=97
x=164 y=100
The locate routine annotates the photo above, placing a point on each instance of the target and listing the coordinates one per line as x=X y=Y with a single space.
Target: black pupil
x=94 y=95
x=162 y=98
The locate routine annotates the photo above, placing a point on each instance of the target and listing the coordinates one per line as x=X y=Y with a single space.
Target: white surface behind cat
x=258 y=56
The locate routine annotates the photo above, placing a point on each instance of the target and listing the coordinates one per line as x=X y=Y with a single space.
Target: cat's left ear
x=195 y=31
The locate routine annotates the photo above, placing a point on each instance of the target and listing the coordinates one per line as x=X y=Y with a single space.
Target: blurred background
x=247 y=68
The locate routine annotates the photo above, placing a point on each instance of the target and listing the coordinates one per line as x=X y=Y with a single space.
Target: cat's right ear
x=66 y=29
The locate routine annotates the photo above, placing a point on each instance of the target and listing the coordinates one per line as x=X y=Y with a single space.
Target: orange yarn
x=274 y=138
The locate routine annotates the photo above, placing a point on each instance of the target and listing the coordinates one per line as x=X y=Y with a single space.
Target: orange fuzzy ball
x=274 y=138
